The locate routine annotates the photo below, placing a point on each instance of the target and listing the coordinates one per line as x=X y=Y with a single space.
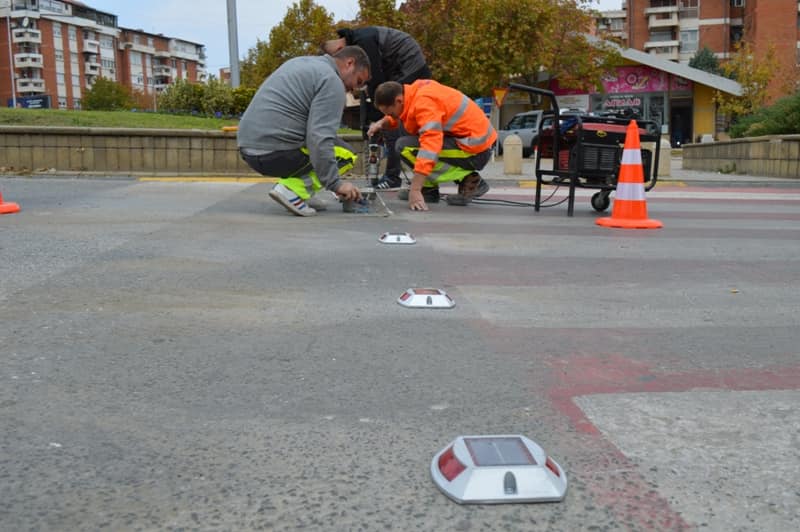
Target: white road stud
x=426 y=298
x=397 y=238
x=497 y=469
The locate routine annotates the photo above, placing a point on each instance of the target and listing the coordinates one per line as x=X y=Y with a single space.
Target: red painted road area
x=631 y=496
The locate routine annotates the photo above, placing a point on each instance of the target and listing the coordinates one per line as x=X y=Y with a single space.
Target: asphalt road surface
x=188 y=356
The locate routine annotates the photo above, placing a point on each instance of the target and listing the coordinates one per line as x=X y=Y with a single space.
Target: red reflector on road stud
x=552 y=467
x=449 y=465
x=405 y=296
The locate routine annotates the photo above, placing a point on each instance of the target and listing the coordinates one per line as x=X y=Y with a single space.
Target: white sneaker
x=291 y=201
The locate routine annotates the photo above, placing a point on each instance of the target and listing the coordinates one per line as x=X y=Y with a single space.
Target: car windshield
x=523 y=122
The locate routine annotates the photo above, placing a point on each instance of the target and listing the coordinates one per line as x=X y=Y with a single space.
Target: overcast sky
x=205 y=21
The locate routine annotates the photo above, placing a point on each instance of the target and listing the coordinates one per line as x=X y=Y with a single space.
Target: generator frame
x=587 y=150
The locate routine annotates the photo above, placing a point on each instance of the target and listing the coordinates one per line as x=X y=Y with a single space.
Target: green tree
x=476 y=45
x=378 y=13
x=181 y=97
x=753 y=74
x=301 y=32
x=242 y=95
x=107 y=95
x=705 y=60
x=217 y=98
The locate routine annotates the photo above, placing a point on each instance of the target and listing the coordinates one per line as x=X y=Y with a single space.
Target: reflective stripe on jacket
x=432 y=110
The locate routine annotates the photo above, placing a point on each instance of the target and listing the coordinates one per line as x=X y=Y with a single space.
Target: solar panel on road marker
x=497 y=469
x=397 y=238
x=426 y=298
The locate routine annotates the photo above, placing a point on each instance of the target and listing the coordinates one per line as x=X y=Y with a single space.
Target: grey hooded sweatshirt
x=298 y=105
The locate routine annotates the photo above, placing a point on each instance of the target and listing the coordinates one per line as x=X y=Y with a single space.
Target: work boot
x=471 y=187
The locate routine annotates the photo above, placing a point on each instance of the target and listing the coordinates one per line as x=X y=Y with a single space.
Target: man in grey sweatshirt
x=289 y=130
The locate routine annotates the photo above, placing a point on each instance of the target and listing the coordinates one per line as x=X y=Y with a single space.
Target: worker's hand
x=348 y=191
x=415 y=200
x=375 y=127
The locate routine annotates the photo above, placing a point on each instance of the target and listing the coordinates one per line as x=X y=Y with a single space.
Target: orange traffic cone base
x=622 y=223
x=8 y=208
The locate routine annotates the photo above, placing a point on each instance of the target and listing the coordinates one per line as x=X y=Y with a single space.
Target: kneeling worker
x=450 y=139
x=289 y=130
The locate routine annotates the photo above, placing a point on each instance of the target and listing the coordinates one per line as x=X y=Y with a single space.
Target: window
x=737 y=3
x=59 y=54
x=52 y=5
x=62 y=103
x=76 y=103
x=73 y=56
x=106 y=41
x=688 y=41
x=76 y=80
x=73 y=35
x=661 y=36
x=150 y=42
x=60 y=78
x=56 y=30
x=136 y=58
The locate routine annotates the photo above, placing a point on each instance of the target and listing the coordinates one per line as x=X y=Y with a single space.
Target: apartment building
x=52 y=51
x=676 y=29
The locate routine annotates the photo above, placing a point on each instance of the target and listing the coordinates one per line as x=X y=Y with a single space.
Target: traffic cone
x=7 y=207
x=630 y=205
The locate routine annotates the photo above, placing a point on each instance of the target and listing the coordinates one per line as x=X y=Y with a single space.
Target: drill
x=373 y=162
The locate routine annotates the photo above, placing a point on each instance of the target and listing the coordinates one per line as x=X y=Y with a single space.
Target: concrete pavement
x=190 y=356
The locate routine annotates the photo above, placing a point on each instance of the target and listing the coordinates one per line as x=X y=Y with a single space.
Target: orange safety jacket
x=432 y=110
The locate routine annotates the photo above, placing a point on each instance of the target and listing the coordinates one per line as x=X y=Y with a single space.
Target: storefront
x=676 y=96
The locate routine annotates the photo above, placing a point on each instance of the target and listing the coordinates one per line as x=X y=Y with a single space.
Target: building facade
x=52 y=51
x=676 y=29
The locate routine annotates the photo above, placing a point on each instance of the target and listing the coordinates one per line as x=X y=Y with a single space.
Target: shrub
x=107 y=95
x=781 y=118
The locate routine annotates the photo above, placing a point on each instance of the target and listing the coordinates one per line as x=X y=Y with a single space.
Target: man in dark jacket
x=394 y=56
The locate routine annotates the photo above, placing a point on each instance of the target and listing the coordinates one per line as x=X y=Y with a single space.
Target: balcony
x=138 y=47
x=91 y=68
x=28 y=60
x=661 y=21
x=91 y=46
x=30 y=85
x=670 y=54
x=649 y=11
x=162 y=70
x=163 y=54
x=27 y=36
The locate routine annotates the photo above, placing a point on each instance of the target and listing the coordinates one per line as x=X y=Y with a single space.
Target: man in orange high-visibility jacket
x=450 y=139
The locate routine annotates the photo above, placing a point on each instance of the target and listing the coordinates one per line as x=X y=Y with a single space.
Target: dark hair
x=358 y=54
x=387 y=92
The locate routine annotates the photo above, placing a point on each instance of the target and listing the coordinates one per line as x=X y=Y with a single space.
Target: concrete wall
x=117 y=151
x=776 y=156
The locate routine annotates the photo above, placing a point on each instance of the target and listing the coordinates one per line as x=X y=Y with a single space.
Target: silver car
x=526 y=125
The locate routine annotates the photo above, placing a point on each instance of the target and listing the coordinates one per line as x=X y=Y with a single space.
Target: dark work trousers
x=289 y=163
x=453 y=163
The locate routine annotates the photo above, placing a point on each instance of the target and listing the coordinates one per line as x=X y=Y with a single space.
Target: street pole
x=233 y=43
x=11 y=70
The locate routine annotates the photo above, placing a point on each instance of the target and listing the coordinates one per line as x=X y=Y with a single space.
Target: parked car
x=526 y=125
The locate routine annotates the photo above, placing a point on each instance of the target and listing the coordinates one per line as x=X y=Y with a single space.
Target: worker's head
x=389 y=98
x=354 y=67
x=333 y=46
